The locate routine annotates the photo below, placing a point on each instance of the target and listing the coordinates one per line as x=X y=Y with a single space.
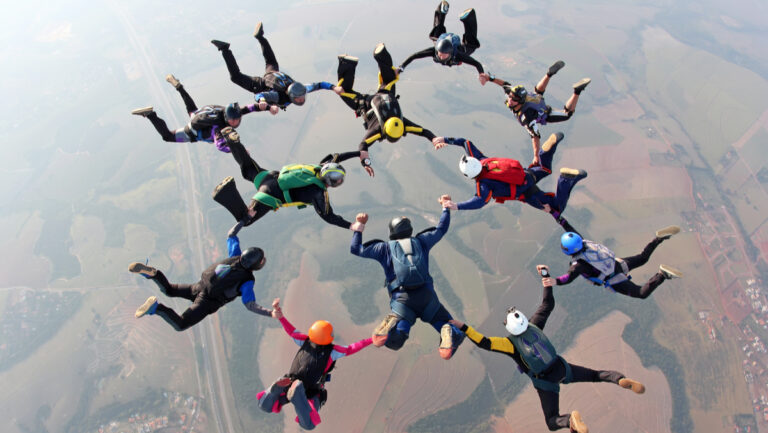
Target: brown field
x=604 y=407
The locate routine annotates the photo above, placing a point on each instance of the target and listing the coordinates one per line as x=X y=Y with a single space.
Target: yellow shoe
x=381 y=332
x=635 y=386
x=667 y=232
x=577 y=424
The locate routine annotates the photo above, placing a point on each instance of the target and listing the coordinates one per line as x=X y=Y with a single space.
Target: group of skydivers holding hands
x=405 y=257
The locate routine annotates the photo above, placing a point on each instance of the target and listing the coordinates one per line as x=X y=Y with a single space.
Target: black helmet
x=251 y=258
x=232 y=112
x=400 y=228
x=296 y=90
x=517 y=93
x=444 y=46
x=332 y=174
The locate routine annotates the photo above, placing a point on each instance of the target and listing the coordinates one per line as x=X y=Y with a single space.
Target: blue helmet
x=571 y=243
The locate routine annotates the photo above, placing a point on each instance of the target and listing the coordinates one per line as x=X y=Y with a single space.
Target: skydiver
x=450 y=49
x=275 y=88
x=536 y=356
x=599 y=264
x=304 y=385
x=220 y=284
x=205 y=124
x=294 y=185
x=531 y=110
x=505 y=179
x=381 y=113
x=405 y=260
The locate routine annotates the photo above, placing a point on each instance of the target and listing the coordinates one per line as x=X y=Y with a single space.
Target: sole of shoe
x=348 y=58
x=386 y=325
x=670 y=272
x=379 y=48
x=173 y=80
x=572 y=172
x=581 y=84
x=258 y=31
x=635 y=386
x=551 y=141
x=444 y=6
x=145 y=307
x=141 y=268
x=577 y=424
x=667 y=231
x=558 y=65
x=143 y=111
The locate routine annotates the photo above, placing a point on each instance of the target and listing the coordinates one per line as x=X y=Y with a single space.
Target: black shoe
x=558 y=65
x=258 y=33
x=221 y=45
x=444 y=7
x=143 y=112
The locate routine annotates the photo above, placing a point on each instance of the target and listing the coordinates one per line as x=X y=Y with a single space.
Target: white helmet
x=470 y=166
x=516 y=322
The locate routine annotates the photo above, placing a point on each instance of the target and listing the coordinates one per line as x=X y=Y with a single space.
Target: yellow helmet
x=393 y=128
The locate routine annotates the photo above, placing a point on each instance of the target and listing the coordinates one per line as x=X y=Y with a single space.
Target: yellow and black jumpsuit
x=383 y=103
x=547 y=382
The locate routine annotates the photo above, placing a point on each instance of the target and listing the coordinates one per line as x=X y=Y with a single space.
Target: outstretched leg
x=178 y=136
x=386 y=71
x=269 y=56
x=269 y=400
x=188 y=102
x=578 y=87
x=469 y=40
x=346 y=76
x=568 y=179
x=550 y=405
x=541 y=86
x=185 y=291
x=546 y=153
x=306 y=413
x=438 y=26
x=190 y=317
x=251 y=84
x=248 y=167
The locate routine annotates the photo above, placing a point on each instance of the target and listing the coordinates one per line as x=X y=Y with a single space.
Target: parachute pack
x=410 y=263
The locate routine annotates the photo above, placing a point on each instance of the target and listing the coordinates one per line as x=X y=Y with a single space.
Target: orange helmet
x=321 y=332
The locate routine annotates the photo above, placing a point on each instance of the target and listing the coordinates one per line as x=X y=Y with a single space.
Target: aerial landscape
x=672 y=131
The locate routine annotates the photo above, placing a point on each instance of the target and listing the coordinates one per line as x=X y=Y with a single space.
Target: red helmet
x=321 y=333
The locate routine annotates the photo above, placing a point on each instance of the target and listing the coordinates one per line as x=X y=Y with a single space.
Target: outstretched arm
x=542 y=313
x=249 y=300
x=481 y=198
x=413 y=128
x=432 y=237
x=323 y=208
x=277 y=313
x=340 y=157
x=470 y=61
x=342 y=351
x=233 y=246
x=493 y=344
x=427 y=52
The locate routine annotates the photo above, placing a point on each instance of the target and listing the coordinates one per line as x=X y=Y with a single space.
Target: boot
x=444 y=7
x=581 y=85
x=174 y=82
x=635 y=386
x=551 y=141
x=381 y=332
x=669 y=272
x=143 y=112
x=142 y=269
x=572 y=173
x=258 y=33
x=221 y=45
x=226 y=194
x=667 y=232
x=576 y=423
x=558 y=65
x=148 y=307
